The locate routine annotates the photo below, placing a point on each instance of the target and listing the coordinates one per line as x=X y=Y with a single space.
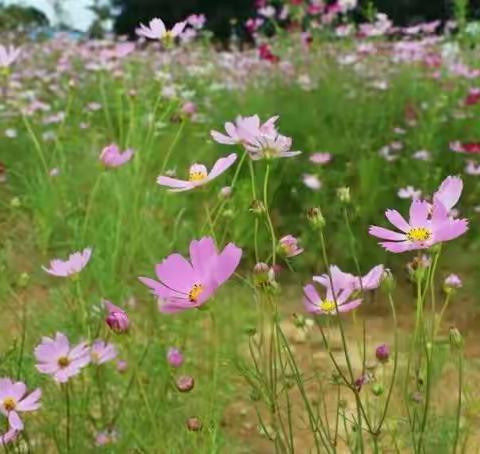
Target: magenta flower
x=342 y=281
x=8 y=55
x=189 y=284
x=75 y=263
x=117 y=319
x=382 y=352
x=198 y=175
x=57 y=358
x=289 y=246
x=449 y=192
x=174 y=357
x=422 y=231
x=314 y=304
x=102 y=352
x=111 y=156
x=156 y=30
x=245 y=129
x=13 y=400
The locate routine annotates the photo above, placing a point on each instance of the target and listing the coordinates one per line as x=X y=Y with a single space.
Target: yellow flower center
x=197 y=175
x=328 y=306
x=63 y=362
x=9 y=404
x=194 y=294
x=419 y=234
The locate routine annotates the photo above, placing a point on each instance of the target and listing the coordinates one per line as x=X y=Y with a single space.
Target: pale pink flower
x=320 y=158
x=13 y=400
x=311 y=181
x=453 y=281
x=449 y=192
x=314 y=304
x=245 y=129
x=111 y=156
x=199 y=175
x=57 y=358
x=289 y=246
x=409 y=192
x=156 y=30
x=8 y=55
x=73 y=265
x=102 y=352
x=341 y=280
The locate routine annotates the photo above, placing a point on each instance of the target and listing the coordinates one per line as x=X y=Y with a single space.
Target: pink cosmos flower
x=449 y=192
x=453 y=281
x=13 y=399
x=320 y=158
x=269 y=147
x=102 y=352
x=111 y=156
x=422 y=230
x=342 y=280
x=75 y=263
x=117 y=319
x=199 y=175
x=189 y=284
x=57 y=358
x=8 y=55
x=289 y=246
x=472 y=168
x=245 y=129
x=156 y=30
x=106 y=437
x=314 y=304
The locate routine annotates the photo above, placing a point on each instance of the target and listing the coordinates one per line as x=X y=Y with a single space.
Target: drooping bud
x=388 y=282
x=377 y=389
x=257 y=207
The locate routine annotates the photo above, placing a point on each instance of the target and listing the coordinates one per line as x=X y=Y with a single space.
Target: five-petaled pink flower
x=75 y=263
x=102 y=352
x=189 y=284
x=245 y=129
x=341 y=280
x=13 y=400
x=57 y=358
x=333 y=300
x=199 y=175
x=426 y=226
x=111 y=156
x=156 y=30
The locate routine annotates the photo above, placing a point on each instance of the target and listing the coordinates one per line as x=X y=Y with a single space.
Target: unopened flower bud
x=194 y=424
x=452 y=283
x=263 y=276
x=122 y=366
x=185 y=383
x=343 y=194
x=174 y=357
x=288 y=246
x=455 y=338
x=377 y=389
x=315 y=217
x=23 y=279
x=416 y=397
x=382 y=352
x=388 y=282
x=257 y=207
x=225 y=192
x=117 y=319
x=15 y=202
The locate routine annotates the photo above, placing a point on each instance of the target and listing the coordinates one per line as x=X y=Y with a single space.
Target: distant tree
x=103 y=18
x=14 y=17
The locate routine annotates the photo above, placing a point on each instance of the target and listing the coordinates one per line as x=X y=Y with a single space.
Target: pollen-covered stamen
x=194 y=294
x=198 y=172
x=328 y=306
x=9 y=404
x=419 y=234
x=63 y=362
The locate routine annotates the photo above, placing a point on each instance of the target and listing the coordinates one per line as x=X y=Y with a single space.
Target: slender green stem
x=66 y=388
x=459 y=404
x=267 y=213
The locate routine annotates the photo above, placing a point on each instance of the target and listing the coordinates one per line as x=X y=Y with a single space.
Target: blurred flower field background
x=251 y=247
